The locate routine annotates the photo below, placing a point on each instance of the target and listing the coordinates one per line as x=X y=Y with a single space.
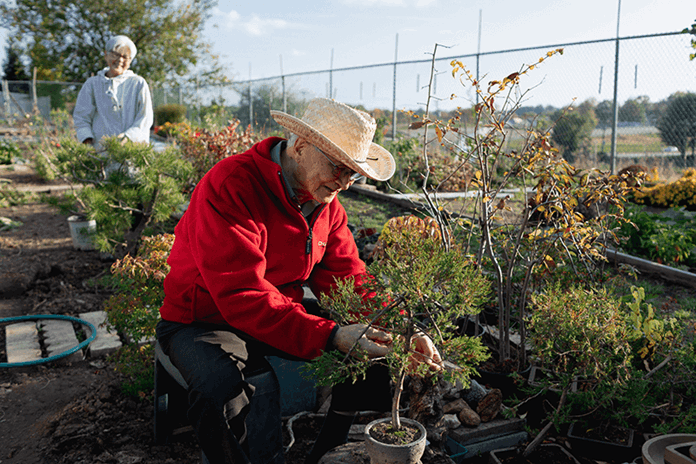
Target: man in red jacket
x=259 y=227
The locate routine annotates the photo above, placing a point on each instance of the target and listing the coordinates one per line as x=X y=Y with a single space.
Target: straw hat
x=343 y=133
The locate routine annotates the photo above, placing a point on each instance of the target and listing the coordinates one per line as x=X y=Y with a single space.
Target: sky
x=306 y=33
x=268 y=38
x=264 y=38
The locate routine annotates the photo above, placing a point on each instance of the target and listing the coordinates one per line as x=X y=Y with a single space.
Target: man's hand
x=372 y=341
x=425 y=352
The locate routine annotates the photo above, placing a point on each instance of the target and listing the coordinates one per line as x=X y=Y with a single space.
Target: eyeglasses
x=339 y=172
x=119 y=56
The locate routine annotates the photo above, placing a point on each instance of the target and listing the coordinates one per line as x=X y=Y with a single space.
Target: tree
x=605 y=113
x=65 y=39
x=692 y=31
x=13 y=70
x=265 y=98
x=678 y=125
x=633 y=110
x=573 y=130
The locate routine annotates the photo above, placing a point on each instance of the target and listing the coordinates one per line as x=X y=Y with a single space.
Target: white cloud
x=260 y=26
x=296 y=52
x=369 y=3
x=252 y=25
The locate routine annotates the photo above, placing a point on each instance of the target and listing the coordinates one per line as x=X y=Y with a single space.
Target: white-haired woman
x=116 y=101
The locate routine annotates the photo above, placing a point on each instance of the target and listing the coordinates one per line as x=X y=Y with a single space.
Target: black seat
x=263 y=422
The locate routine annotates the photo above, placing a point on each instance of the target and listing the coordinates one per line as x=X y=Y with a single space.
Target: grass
x=368 y=212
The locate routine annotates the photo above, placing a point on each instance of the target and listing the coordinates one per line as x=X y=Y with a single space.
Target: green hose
x=56 y=356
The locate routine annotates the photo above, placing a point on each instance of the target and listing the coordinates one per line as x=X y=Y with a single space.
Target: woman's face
x=118 y=61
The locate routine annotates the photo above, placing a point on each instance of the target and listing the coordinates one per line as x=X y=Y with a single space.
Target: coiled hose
x=56 y=356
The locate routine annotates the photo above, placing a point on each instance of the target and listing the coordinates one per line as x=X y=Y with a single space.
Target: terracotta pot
x=383 y=453
x=499 y=456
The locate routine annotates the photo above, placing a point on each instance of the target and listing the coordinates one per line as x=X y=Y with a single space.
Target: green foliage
x=203 y=148
x=653 y=334
x=669 y=240
x=9 y=150
x=172 y=113
x=65 y=39
x=419 y=285
x=573 y=130
x=13 y=197
x=692 y=31
x=264 y=98
x=125 y=187
x=577 y=331
x=133 y=310
x=678 y=124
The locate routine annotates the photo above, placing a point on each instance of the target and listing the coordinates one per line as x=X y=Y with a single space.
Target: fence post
x=6 y=98
x=34 y=98
x=615 y=114
x=396 y=57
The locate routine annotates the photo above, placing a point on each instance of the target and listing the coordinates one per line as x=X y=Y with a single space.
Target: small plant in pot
x=579 y=333
x=418 y=286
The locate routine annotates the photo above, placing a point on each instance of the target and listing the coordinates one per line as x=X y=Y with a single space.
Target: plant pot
x=383 y=453
x=653 y=451
x=470 y=327
x=602 y=443
x=505 y=381
x=80 y=230
x=548 y=453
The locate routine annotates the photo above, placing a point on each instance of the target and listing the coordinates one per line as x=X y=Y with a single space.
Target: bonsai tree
x=417 y=286
x=124 y=188
x=559 y=220
x=579 y=333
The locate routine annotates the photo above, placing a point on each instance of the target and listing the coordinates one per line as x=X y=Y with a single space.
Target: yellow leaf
x=439 y=133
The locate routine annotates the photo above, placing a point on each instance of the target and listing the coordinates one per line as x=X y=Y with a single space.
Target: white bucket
x=80 y=228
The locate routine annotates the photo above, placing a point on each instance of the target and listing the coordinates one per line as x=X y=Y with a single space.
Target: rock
x=469 y=417
x=450 y=421
x=489 y=407
x=474 y=393
x=454 y=406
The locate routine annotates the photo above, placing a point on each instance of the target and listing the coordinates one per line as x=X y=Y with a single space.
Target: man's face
x=316 y=177
x=118 y=61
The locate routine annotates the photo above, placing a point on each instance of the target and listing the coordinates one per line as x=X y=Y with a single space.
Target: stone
x=454 y=406
x=469 y=417
x=489 y=407
x=450 y=421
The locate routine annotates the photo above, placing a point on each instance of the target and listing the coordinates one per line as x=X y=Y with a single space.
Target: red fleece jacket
x=243 y=250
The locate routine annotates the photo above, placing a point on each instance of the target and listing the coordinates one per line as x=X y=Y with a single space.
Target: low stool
x=264 y=426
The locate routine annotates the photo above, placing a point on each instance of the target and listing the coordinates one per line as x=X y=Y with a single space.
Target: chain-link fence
x=641 y=89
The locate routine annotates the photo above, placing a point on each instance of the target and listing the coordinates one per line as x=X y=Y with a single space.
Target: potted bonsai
x=418 y=286
x=579 y=333
x=124 y=188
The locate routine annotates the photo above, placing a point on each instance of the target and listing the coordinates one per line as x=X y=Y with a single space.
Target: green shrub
x=126 y=187
x=170 y=113
x=133 y=310
x=9 y=150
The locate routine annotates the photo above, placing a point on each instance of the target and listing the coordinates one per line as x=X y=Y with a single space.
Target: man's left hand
x=425 y=352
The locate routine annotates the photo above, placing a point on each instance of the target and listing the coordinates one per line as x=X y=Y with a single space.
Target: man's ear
x=300 y=146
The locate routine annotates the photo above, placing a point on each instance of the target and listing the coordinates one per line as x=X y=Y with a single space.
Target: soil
x=385 y=433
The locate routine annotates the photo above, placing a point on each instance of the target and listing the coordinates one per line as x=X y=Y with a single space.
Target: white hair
x=292 y=139
x=119 y=41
